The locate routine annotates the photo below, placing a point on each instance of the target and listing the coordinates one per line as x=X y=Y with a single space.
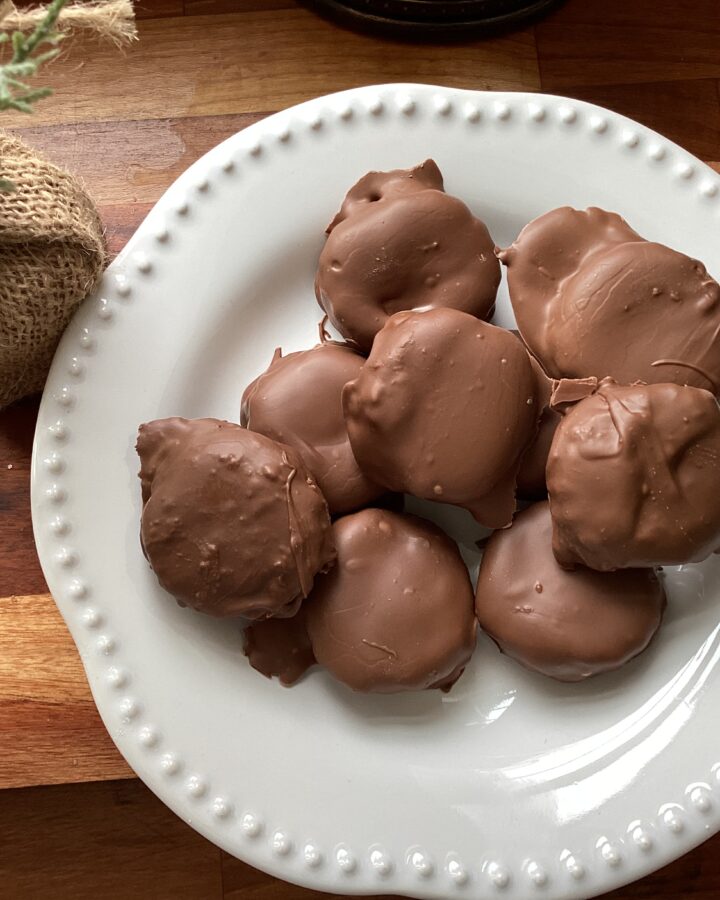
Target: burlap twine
x=52 y=253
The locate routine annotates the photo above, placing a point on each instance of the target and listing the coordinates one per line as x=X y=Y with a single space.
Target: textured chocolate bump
x=592 y=297
x=400 y=242
x=297 y=401
x=396 y=612
x=633 y=475
x=568 y=625
x=443 y=409
x=233 y=524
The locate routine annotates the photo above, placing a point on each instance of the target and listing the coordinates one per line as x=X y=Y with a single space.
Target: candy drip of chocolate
x=592 y=297
x=400 y=242
x=233 y=524
x=297 y=401
x=279 y=647
x=633 y=477
x=442 y=409
x=569 y=625
x=396 y=612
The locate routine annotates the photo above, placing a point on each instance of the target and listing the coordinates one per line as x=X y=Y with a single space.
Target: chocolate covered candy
x=633 y=477
x=568 y=625
x=279 y=647
x=592 y=297
x=232 y=524
x=396 y=612
x=443 y=409
x=400 y=242
x=297 y=401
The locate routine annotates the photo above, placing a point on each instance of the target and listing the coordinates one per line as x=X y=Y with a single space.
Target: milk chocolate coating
x=297 y=401
x=442 y=409
x=396 y=613
x=233 y=524
x=569 y=625
x=531 y=484
x=633 y=477
x=279 y=647
x=531 y=475
x=592 y=297
x=400 y=242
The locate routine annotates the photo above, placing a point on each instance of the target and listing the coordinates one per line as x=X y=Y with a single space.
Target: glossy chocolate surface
x=396 y=612
x=297 y=401
x=633 y=477
x=233 y=524
x=592 y=297
x=443 y=409
x=400 y=242
x=568 y=625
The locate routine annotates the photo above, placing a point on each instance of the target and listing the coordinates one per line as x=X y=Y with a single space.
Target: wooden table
x=74 y=822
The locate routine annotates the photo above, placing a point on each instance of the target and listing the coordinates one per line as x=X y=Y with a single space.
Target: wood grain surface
x=128 y=124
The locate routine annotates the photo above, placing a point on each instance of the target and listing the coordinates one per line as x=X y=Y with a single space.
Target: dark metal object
x=443 y=20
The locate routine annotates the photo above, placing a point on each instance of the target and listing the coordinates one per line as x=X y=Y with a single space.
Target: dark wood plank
x=242 y=882
x=116 y=840
x=144 y=9
x=687 y=112
x=620 y=42
x=158 y=9
x=695 y=875
x=697 y=15
x=215 y=7
x=113 y=840
x=16 y=434
x=20 y=569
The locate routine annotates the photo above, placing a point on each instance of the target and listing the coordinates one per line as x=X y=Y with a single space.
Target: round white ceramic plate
x=512 y=785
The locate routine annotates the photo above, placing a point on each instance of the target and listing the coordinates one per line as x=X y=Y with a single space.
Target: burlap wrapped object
x=52 y=253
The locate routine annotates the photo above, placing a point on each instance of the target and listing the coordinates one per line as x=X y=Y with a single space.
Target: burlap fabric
x=52 y=252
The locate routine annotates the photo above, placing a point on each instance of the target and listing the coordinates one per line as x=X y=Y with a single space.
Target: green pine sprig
x=24 y=63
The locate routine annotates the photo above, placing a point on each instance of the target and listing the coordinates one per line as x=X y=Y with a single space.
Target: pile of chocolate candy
x=601 y=412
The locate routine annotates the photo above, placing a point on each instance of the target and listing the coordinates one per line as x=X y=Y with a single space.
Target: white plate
x=512 y=785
